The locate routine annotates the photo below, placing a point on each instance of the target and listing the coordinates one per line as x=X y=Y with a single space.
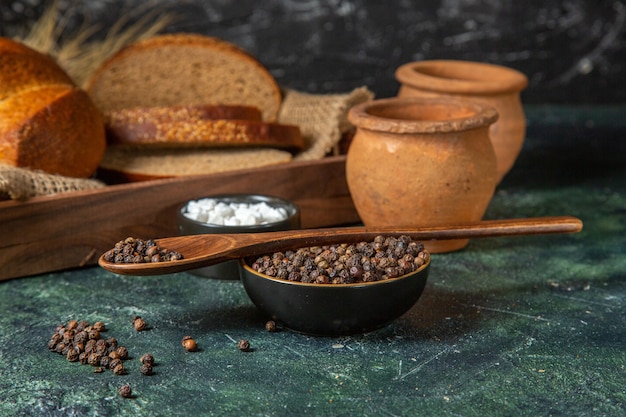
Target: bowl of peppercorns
x=339 y=289
x=235 y=213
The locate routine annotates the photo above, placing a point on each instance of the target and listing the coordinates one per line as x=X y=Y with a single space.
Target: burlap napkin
x=21 y=183
x=322 y=120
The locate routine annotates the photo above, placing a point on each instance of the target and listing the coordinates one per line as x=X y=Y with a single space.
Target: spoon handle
x=276 y=241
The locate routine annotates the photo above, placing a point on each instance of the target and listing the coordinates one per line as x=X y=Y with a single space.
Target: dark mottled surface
x=572 y=51
x=509 y=326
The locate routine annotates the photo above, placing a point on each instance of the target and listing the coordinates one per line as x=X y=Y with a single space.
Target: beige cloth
x=21 y=183
x=322 y=120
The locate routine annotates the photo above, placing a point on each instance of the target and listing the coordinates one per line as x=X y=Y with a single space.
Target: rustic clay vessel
x=421 y=162
x=494 y=85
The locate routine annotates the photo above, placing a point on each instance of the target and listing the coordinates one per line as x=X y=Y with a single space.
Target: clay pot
x=421 y=162
x=495 y=85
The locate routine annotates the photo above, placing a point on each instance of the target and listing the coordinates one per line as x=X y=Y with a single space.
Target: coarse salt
x=213 y=211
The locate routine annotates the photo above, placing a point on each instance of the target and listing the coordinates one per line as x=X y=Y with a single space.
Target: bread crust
x=22 y=68
x=56 y=129
x=46 y=122
x=188 y=73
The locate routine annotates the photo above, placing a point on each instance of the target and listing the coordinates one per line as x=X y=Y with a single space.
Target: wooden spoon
x=210 y=249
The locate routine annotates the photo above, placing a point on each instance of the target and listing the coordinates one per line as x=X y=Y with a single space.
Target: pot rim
x=461 y=77
x=362 y=115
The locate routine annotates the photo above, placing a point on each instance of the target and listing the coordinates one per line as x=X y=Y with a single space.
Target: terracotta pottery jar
x=421 y=162
x=494 y=85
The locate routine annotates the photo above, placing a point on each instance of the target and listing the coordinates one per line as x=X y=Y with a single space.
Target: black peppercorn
x=146 y=369
x=125 y=391
x=72 y=355
x=81 y=337
x=147 y=359
x=270 y=326
x=189 y=344
x=139 y=324
x=114 y=362
x=243 y=345
x=54 y=340
x=104 y=361
x=123 y=352
x=119 y=370
x=90 y=346
x=101 y=347
x=99 y=326
x=94 y=359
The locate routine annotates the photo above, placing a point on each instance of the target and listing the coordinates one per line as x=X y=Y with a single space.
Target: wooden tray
x=71 y=230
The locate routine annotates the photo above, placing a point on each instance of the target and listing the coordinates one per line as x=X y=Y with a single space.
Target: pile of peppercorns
x=81 y=342
x=384 y=258
x=133 y=250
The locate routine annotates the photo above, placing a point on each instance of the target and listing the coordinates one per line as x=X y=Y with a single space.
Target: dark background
x=574 y=51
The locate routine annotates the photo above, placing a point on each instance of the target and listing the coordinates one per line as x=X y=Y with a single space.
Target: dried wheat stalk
x=79 y=55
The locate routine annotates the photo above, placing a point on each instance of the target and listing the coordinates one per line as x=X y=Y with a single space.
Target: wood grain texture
x=72 y=230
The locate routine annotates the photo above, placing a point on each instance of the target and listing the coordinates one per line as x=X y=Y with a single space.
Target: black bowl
x=230 y=270
x=334 y=309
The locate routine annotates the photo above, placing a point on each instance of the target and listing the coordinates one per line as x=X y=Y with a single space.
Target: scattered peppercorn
x=125 y=391
x=99 y=326
x=383 y=258
x=243 y=345
x=133 y=250
x=189 y=344
x=146 y=369
x=123 y=352
x=119 y=370
x=147 y=359
x=98 y=370
x=139 y=324
x=114 y=362
x=270 y=326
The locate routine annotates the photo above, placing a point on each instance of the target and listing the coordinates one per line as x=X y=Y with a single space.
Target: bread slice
x=206 y=133
x=140 y=115
x=54 y=128
x=184 y=69
x=22 y=68
x=124 y=164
